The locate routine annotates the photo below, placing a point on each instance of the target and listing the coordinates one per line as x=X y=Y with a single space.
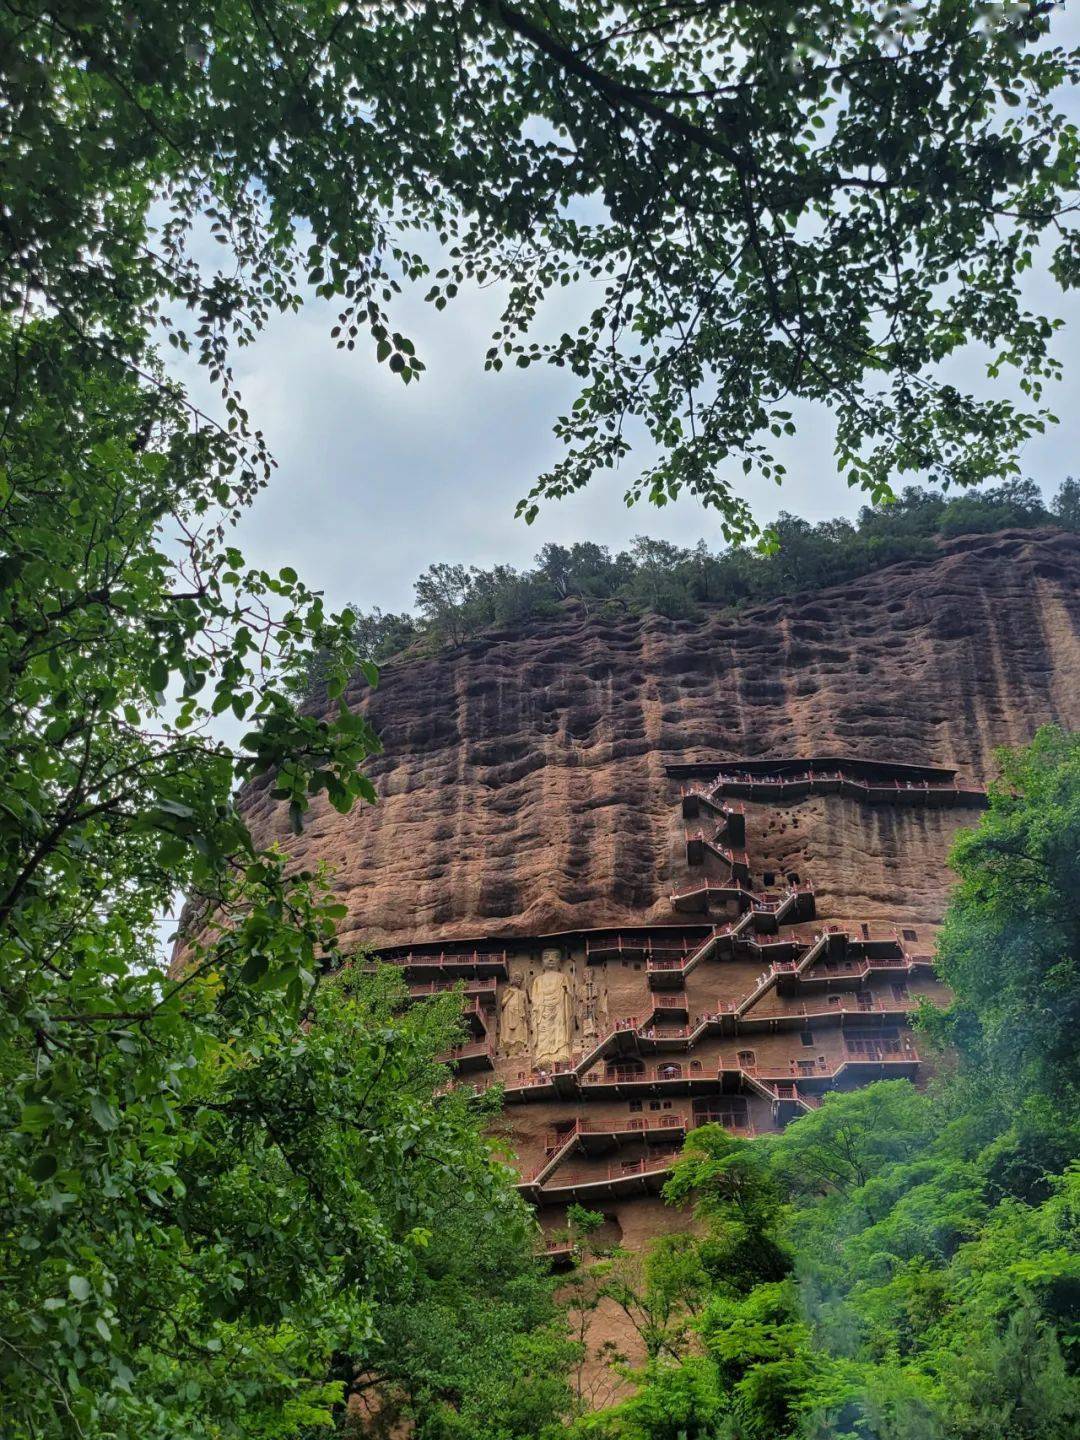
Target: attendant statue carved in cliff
x=594 y=1020
x=513 y=1021
x=552 y=1004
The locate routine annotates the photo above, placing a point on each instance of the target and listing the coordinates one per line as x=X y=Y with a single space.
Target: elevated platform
x=762 y=916
x=670 y=942
x=786 y=765
x=484 y=990
x=730 y=816
x=861 y=1069
x=478 y=1056
x=618 y=1182
x=451 y=965
x=560 y=1254
x=783 y=781
x=668 y=1008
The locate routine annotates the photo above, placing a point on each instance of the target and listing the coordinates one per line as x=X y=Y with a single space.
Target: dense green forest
x=455 y=602
x=240 y=1201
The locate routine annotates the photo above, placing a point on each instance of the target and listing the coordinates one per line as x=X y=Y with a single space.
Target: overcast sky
x=376 y=480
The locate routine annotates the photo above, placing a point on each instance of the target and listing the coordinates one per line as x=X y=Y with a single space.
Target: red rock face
x=531 y=802
x=523 y=788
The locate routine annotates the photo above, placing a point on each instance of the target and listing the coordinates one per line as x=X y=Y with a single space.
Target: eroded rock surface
x=523 y=789
x=526 y=803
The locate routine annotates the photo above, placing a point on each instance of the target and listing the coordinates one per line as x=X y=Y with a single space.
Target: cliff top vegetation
x=455 y=602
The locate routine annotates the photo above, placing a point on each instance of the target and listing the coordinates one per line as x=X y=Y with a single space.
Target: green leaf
x=103 y=1113
x=35 y=1118
x=43 y=1167
x=175 y=807
x=254 y=969
x=80 y=1287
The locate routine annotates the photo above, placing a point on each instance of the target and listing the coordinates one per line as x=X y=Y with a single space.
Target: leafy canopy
x=748 y=205
x=763 y=203
x=229 y=1195
x=1011 y=945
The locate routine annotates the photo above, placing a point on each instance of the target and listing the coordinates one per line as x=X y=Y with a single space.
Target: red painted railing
x=629 y=1168
x=845 y=777
x=558 y=1247
x=442 y=959
x=647 y=1166
x=648 y=944
x=710 y=884
x=627 y=1124
x=479 y=985
x=818 y=1069
x=647 y=1074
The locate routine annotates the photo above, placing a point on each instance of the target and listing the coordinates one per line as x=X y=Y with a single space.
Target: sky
x=377 y=480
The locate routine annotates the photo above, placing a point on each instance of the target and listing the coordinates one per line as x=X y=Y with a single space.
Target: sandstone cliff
x=523 y=788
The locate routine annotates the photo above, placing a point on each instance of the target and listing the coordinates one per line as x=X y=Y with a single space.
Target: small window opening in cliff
x=695 y=1067
x=911 y=934
x=747 y=1057
x=793 y=878
x=866 y=932
x=769 y=877
x=635 y=1107
x=899 y=992
x=807 y=1039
